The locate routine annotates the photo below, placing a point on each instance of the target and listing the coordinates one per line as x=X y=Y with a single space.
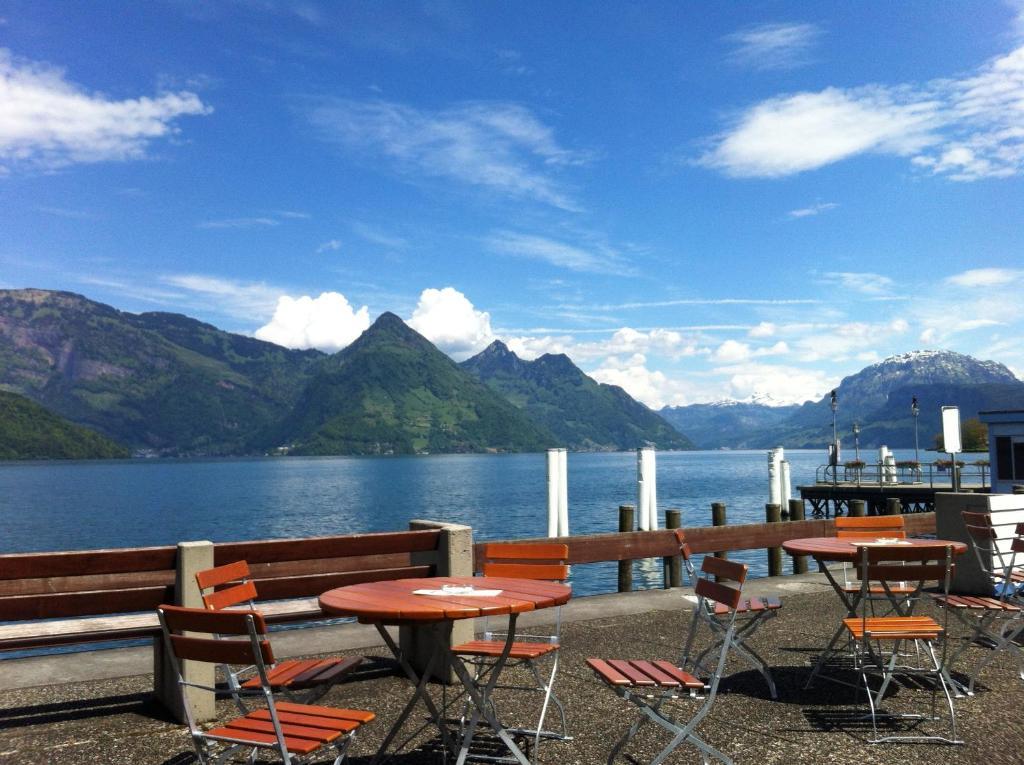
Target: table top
x=841 y=549
x=394 y=602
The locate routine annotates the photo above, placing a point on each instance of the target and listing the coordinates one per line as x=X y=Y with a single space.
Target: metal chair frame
x=286 y=721
x=238 y=589
x=650 y=690
x=997 y=620
x=747 y=621
x=541 y=561
x=880 y=564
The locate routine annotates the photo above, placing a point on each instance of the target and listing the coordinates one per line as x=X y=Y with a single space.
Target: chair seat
x=894 y=628
x=975 y=603
x=494 y=648
x=879 y=590
x=751 y=605
x=304 y=673
x=632 y=673
x=306 y=728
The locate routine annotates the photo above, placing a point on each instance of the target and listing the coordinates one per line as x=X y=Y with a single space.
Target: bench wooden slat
x=273 y=550
x=81 y=562
x=60 y=605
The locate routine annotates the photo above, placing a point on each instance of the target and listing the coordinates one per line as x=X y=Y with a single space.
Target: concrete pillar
x=192 y=557
x=454 y=557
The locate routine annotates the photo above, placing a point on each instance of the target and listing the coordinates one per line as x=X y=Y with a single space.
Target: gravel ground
x=115 y=721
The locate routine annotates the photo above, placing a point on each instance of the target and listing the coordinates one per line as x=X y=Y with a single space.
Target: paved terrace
x=101 y=711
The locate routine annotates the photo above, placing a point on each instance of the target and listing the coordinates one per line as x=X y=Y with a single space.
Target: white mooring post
x=558 y=492
x=774 y=494
x=646 y=489
x=787 y=489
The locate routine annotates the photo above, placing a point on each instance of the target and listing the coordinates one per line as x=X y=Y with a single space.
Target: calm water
x=88 y=505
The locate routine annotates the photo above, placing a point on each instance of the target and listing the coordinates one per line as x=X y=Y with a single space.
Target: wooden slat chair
x=869 y=528
x=876 y=640
x=299 y=680
x=651 y=685
x=752 y=613
x=995 y=618
x=539 y=561
x=295 y=731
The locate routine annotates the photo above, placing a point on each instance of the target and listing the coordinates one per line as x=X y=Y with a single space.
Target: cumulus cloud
x=784 y=384
x=500 y=146
x=732 y=350
x=48 y=122
x=964 y=128
x=448 y=319
x=328 y=322
x=764 y=329
x=651 y=387
x=774 y=46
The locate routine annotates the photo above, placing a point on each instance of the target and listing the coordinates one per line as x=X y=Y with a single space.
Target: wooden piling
x=718 y=519
x=858 y=508
x=796 y=513
x=893 y=506
x=626 y=523
x=773 y=514
x=673 y=563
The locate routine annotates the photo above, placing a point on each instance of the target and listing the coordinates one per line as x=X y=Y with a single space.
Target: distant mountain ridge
x=877 y=397
x=392 y=392
x=582 y=413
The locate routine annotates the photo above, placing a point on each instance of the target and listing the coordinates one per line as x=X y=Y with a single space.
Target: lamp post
x=915 y=410
x=834 y=403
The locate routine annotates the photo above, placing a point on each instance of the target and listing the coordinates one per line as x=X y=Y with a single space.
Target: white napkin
x=462 y=592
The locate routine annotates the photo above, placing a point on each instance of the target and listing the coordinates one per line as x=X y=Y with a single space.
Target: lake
x=131 y=503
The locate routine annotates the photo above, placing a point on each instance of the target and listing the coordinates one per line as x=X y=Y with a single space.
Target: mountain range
x=878 y=398
x=166 y=384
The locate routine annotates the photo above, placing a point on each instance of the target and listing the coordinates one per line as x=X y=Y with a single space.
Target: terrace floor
x=110 y=717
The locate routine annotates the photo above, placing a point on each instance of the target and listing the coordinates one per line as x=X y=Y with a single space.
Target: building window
x=1009 y=458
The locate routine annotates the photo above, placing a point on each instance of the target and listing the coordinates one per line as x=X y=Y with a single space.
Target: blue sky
x=695 y=201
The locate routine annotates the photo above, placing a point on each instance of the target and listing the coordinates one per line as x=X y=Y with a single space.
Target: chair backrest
x=870 y=527
x=224 y=637
x=228 y=585
x=687 y=555
x=719 y=591
x=998 y=551
x=905 y=564
x=527 y=561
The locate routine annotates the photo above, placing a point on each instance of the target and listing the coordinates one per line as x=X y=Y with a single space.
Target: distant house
x=1005 y=448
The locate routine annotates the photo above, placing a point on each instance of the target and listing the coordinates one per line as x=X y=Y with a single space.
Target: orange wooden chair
x=652 y=685
x=295 y=731
x=995 y=618
x=876 y=640
x=540 y=561
x=300 y=680
x=752 y=613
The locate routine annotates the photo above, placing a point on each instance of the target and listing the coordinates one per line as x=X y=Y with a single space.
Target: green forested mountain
x=160 y=382
x=30 y=432
x=393 y=392
x=582 y=413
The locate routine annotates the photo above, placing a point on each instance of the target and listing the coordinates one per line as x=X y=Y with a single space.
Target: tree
x=973 y=434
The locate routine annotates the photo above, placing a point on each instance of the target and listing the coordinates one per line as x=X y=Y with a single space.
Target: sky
x=695 y=201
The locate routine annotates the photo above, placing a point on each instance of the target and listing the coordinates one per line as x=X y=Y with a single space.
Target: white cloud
x=331 y=245
x=816 y=209
x=784 y=384
x=500 y=146
x=764 y=329
x=448 y=319
x=597 y=259
x=774 y=46
x=863 y=282
x=732 y=350
x=327 y=322
x=226 y=297
x=965 y=128
x=986 y=277
x=651 y=387
x=47 y=122
x=238 y=223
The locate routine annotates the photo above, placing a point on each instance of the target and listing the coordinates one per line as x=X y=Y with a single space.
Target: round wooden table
x=844 y=550
x=396 y=602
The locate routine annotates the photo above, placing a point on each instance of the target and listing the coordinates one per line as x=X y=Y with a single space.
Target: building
x=1005 y=448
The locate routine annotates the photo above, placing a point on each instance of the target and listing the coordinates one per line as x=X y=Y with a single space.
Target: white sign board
x=951 y=430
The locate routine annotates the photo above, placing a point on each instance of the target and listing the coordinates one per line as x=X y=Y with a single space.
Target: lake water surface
x=131 y=503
